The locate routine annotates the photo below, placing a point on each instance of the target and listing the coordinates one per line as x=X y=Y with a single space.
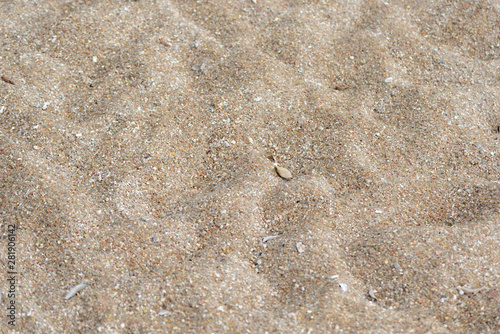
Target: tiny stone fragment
x=74 y=290
x=7 y=79
x=371 y=293
x=492 y=294
x=343 y=286
x=300 y=247
x=283 y=172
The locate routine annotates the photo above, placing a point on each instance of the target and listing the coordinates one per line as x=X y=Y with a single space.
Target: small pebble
x=283 y=172
x=300 y=247
x=371 y=293
x=388 y=80
x=492 y=294
x=343 y=286
x=7 y=79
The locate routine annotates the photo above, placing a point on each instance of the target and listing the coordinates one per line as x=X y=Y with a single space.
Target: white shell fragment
x=371 y=293
x=463 y=290
x=343 y=286
x=283 y=172
x=300 y=247
x=74 y=290
x=271 y=237
x=164 y=312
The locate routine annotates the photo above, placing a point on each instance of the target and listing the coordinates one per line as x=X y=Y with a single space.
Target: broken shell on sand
x=283 y=172
x=74 y=290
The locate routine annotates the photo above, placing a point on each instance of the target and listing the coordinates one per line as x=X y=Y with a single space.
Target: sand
x=138 y=143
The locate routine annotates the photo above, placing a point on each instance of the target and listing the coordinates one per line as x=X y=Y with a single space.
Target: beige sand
x=135 y=146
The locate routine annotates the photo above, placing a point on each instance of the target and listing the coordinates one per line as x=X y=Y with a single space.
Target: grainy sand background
x=134 y=154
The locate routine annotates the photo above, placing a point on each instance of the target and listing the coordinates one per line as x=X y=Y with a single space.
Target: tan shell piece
x=283 y=172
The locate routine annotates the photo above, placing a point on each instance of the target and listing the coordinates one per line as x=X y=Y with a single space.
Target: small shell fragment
x=343 y=286
x=164 y=42
x=463 y=290
x=164 y=312
x=74 y=290
x=371 y=293
x=271 y=237
x=283 y=172
x=300 y=247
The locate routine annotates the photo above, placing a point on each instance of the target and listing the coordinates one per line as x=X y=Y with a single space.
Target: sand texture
x=140 y=143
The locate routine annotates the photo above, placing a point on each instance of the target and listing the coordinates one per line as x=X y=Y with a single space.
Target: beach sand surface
x=138 y=149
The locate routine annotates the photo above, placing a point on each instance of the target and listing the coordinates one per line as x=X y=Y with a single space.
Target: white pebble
x=283 y=172
x=388 y=80
x=300 y=247
x=371 y=293
x=343 y=286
